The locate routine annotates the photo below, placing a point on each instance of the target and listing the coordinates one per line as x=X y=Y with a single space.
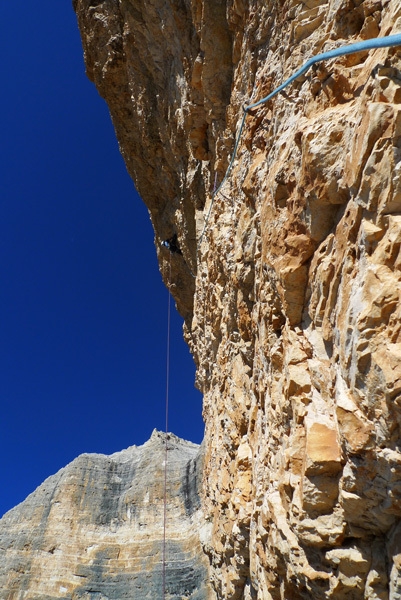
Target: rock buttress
x=294 y=314
x=95 y=529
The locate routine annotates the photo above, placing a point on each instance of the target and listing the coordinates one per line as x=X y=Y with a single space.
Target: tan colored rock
x=292 y=309
x=323 y=454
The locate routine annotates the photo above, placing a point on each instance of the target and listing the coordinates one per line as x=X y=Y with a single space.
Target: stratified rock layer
x=292 y=299
x=95 y=529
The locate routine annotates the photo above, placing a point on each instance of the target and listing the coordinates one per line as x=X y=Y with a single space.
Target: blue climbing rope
x=372 y=44
x=384 y=42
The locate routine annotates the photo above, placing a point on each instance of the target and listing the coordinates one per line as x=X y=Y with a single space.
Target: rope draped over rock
x=365 y=45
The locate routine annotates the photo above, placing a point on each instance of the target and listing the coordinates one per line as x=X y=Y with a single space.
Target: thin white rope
x=166 y=425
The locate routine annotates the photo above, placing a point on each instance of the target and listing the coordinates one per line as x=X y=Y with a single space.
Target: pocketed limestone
x=291 y=295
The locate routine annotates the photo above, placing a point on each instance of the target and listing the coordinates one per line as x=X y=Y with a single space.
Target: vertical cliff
x=292 y=299
x=94 y=530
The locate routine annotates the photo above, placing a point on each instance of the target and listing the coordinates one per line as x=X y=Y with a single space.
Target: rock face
x=94 y=530
x=292 y=296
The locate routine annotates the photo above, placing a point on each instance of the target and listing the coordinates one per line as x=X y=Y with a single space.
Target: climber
x=172 y=245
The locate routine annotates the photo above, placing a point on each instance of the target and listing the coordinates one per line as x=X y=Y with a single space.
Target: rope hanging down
x=383 y=42
x=166 y=433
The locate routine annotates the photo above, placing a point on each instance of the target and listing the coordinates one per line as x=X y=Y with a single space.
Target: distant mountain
x=94 y=530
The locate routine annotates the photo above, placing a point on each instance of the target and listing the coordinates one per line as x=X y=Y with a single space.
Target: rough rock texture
x=292 y=301
x=94 y=530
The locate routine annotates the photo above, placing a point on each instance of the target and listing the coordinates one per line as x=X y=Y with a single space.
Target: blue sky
x=83 y=311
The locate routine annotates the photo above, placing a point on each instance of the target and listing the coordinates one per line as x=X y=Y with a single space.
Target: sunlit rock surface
x=292 y=300
x=94 y=530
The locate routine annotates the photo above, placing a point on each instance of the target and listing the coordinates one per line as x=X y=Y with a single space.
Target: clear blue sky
x=83 y=311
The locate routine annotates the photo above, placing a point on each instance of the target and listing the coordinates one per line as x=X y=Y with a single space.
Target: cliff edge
x=292 y=298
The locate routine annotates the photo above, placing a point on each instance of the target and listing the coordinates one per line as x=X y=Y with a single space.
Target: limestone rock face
x=94 y=530
x=292 y=296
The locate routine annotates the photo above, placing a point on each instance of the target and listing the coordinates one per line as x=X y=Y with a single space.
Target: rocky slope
x=94 y=530
x=292 y=299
